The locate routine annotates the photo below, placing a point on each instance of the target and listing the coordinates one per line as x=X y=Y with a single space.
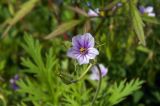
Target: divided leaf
x=118 y=92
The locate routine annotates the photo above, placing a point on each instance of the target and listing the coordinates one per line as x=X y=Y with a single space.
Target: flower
x=95 y=72
x=148 y=10
x=119 y=4
x=93 y=13
x=83 y=48
x=89 y=4
x=13 y=82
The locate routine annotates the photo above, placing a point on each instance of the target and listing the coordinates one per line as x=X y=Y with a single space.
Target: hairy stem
x=99 y=86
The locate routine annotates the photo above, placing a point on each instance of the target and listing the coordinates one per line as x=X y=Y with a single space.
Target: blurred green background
x=55 y=22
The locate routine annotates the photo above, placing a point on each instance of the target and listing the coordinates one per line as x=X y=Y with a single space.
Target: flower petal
x=76 y=41
x=142 y=9
x=92 y=53
x=85 y=41
x=94 y=69
x=95 y=72
x=119 y=4
x=151 y=14
x=149 y=9
x=88 y=40
x=94 y=76
x=73 y=53
x=103 y=70
x=92 y=13
x=83 y=60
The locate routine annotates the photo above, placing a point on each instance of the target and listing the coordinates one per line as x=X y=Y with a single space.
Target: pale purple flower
x=13 y=82
x=89 y=4
x=93 y=13
x=95 y=72
x=83 y=48
x=119 y=4
x=148 y=10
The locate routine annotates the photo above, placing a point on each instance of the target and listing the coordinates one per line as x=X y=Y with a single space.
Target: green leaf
x=63 y=28
x=2 y=64
x=118 y=92
x=33 y=48
x=137 y=96
x=143 y=49
x=151 y=20
x=137 y=23
x=108 y=53
x=31 y=89
x=25 y=9
x=77 y=10
x=42 y=67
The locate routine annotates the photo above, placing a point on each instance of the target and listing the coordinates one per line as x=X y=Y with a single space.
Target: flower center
x=82 y=50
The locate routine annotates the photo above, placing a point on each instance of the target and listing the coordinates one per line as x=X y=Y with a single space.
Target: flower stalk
x=66 y=79
x=99 y=86
x=83 y=74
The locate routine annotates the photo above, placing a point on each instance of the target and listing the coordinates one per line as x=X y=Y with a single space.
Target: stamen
x=82 y=50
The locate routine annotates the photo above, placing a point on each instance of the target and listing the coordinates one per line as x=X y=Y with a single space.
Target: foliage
x=44 y=79
x=36 y=34
x=122 y=90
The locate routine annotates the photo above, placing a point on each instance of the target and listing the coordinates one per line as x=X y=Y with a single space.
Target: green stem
x=99 y=86
x=83 y=74
x=99 y=26
x=68 y=81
